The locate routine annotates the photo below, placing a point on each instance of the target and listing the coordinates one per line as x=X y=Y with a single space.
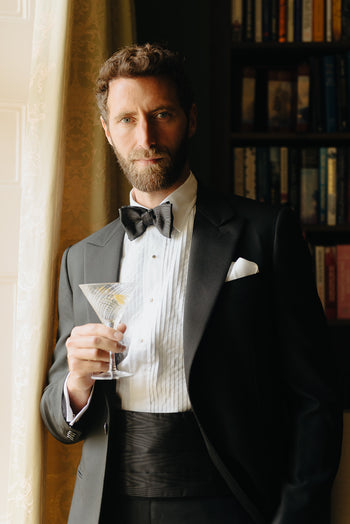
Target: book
x=248 y=99
x=330 y=282
x=303 y=97
x=318 y=21
x=330 y=93
x=294 y=179
x=250 y=172
x=328 y=21
x=345 y=20
x=280 y=100
x=323 y=153
x=274 y=7
x=290 y=20
x=266 y=20
x=320 y=273
x=316 y=95
x=341 y=190
x=298 y=20
x=282 y=21
x=237 y=19
x=342 y=91
x=262 y=174
x=284 y=175
x=248 y=21
x=343 y=281
x=336 y=20
x=331 y=186
x=306 y=35
x=258 y=20
x=309 y=185
x=275 y=175
x=238 y=171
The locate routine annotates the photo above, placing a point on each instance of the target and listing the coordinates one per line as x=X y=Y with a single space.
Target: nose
x=146 y=134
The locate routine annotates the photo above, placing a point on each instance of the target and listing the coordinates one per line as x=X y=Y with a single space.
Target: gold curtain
x=93 y=187
x=70 y=188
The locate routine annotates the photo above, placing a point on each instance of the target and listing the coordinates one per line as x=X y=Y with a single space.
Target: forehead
x=146 y=93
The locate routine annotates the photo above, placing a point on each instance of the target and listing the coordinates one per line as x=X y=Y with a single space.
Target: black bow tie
x=136 y=219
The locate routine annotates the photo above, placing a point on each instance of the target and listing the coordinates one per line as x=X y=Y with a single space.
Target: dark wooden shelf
x=273 y=138
x=340 y=46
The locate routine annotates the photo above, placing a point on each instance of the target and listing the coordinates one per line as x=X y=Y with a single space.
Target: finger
x=99 y=330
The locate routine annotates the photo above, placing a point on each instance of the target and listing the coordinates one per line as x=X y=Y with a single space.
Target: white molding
x=20 y=112
x=20 y=12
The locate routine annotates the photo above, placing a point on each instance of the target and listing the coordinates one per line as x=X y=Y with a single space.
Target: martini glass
x=108 y=301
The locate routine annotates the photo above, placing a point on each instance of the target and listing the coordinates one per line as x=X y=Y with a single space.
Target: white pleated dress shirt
x=154 y=336
x=159 y=267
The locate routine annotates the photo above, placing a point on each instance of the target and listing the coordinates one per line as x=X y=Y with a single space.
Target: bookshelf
x=252 y=68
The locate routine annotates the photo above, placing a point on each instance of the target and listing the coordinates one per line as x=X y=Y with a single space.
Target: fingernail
x=117 y=335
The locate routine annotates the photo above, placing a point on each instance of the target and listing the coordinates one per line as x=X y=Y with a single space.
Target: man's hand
x=87 y=353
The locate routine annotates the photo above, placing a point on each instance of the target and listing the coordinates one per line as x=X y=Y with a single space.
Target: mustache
x=145 y=154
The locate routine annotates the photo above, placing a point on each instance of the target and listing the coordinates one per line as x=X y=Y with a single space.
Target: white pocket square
x=241 y=268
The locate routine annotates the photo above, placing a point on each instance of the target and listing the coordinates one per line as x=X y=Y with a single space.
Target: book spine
x=323 y=185
x=282 y=21
x=341 y=190
x=345 y=20
x=318 y=21
x=328 y=24
x=248 y=20
x=274 y=20
x=294 y=179
x=250 y=172
x=336 y=20
x=309 y=186
x=275 y=176
x=284 y=175
x=262 y=175
x=237 y=20
x=248 y=99
x=332 y=186
x=342 y=92
x=303 y=97
x=317 y=95
x=298 y=20
x=266 y=25
x=290 y=20
x=320 y=273
x=330 y=93
x=238 y=171
x=343 y=281
x=258 y=20
x=307 y=21
x=330 y=282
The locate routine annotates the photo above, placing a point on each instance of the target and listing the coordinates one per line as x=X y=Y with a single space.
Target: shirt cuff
x=70 y=417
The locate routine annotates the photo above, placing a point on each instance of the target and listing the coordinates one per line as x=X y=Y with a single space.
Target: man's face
x=149 y=131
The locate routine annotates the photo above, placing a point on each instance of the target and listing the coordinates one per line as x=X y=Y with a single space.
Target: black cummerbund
x=161 y=455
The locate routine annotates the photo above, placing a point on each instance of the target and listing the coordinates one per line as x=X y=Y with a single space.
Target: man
x=231 y=414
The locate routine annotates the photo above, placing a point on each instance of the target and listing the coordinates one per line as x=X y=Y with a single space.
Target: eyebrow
x=163 y=107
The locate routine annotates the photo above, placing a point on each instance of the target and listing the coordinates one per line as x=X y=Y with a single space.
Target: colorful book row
x=315 y=181
x=313 y=96
x=332 y=271
x=290 y=20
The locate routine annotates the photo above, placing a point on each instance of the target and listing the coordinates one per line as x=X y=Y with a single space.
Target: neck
x=154 y=198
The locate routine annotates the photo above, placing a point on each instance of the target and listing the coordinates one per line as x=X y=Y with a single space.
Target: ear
x=105 y=128
x=192 y=121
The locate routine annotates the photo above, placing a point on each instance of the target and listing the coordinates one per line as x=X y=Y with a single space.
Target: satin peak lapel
x=102 y=257
x=215 y=236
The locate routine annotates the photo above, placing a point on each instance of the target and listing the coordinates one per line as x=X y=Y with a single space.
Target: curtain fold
x=71 y=187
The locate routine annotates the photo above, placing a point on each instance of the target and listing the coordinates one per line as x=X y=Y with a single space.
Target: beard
x=155 y=177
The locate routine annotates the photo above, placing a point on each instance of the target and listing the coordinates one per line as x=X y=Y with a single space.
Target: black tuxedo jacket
x=259 y=369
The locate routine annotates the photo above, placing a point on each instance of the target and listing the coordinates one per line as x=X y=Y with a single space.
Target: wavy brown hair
x=144 y=60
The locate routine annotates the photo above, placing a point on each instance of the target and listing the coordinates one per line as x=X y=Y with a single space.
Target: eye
x=163 y=115
x=125 y=120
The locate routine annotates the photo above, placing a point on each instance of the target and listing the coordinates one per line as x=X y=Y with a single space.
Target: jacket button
x=105 y=428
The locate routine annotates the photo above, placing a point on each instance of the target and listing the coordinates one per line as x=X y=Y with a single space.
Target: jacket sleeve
x=51 y=402
x=314 y=410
